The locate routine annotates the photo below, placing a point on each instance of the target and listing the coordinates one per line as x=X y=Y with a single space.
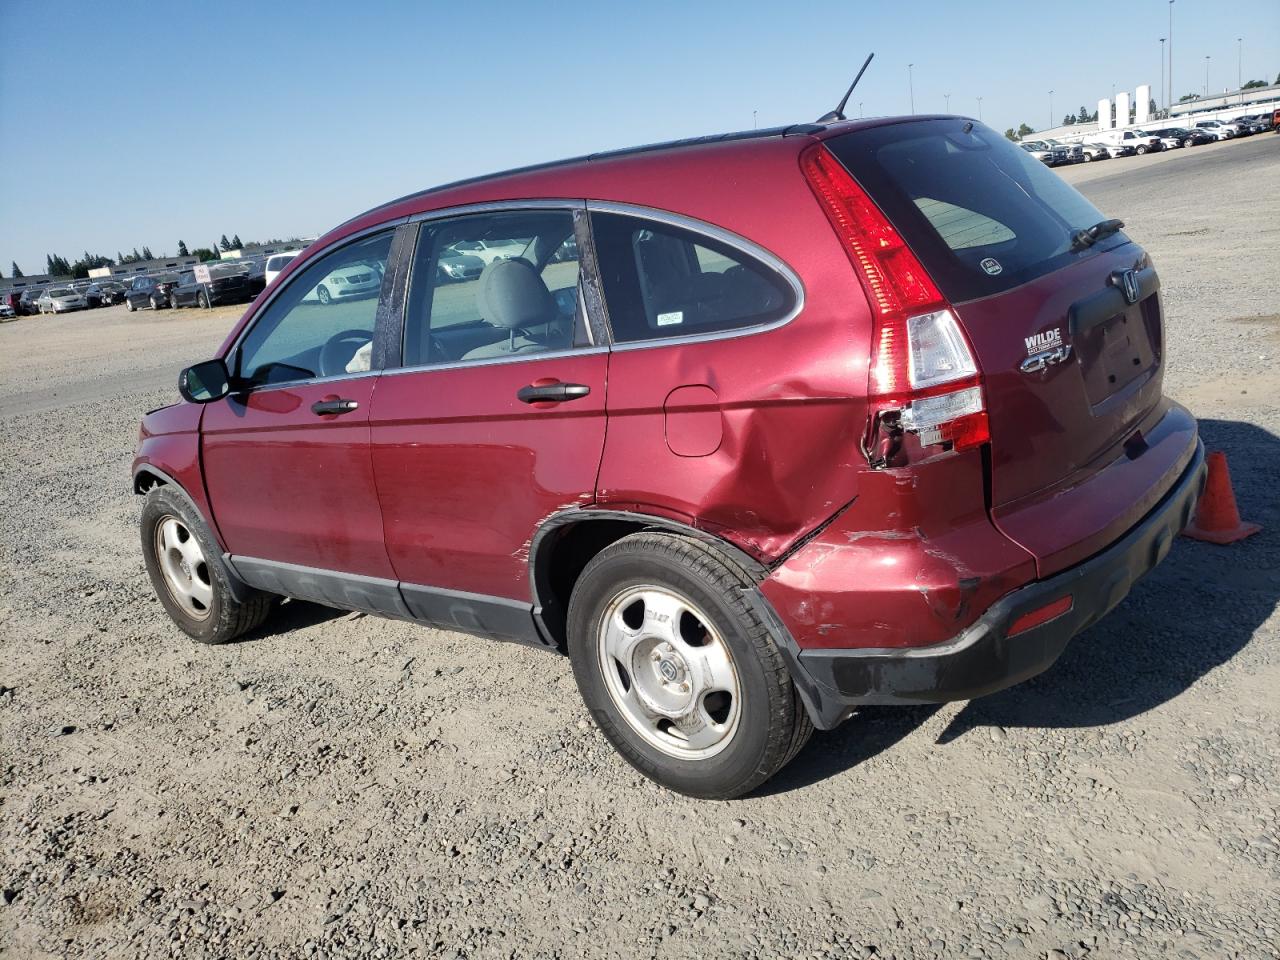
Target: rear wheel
x=128 y=305
x=203 y=299
x=155 y=304
x=189 y=576
x=173 y=301
x=678 y=671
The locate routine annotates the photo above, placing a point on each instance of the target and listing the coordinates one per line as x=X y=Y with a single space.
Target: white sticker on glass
x=667 y=319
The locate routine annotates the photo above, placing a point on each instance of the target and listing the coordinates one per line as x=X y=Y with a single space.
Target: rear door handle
x=551 y=392
x=323 y=408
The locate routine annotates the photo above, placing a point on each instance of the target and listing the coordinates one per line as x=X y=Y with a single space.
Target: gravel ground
x=341 y=786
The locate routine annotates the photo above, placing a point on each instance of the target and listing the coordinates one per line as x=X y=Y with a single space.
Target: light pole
x=1239 y=63
x=1050 y=109
x=1206 y=76
x=859 y=109
x=947 y=97
x=979 y=109
x=1171 y=54
x=911 y=87
x=754 y=125
x=1162 y=94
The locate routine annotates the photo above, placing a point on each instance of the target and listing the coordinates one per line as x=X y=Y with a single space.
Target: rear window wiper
x=1084 y=239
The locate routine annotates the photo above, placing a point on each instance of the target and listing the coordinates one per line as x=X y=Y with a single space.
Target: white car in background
x=1139 y=141
x=60 y=300
x=276 y=263
x=6 y=312
x=490 y=250
x=348 y=283
x=1223 y=131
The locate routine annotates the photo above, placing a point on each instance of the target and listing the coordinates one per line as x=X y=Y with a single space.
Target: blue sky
x=140 y=123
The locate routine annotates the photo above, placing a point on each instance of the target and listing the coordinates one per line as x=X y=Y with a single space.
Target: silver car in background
x=60 y=300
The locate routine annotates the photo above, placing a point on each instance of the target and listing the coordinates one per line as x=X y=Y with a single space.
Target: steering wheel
x=340 y=348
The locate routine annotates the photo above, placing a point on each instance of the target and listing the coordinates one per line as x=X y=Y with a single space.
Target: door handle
x=555 y=392
x=323 y=408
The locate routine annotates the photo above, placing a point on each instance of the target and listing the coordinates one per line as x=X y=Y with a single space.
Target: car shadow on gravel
x=1191 y=615
x=290 y=615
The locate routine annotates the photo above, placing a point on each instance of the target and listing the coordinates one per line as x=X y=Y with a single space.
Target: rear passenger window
x=494 y=286
x=664 y=281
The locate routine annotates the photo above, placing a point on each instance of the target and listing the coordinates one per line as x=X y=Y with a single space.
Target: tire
x=744 y=736
x=1141 y=150
x=128 y=305
x=322 y=294
x=175 y=541
x=173 y=301
x=202 y=298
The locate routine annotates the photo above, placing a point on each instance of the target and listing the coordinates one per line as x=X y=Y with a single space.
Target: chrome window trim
x=232 y=351
x=492 y=361
x=495 y=206
x=725 y=237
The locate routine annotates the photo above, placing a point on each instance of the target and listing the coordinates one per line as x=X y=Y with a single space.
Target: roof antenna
x=838 y=112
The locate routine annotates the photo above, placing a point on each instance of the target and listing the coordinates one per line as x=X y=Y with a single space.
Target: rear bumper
x=984 y=658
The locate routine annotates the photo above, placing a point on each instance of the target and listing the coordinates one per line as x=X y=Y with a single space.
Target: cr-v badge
x=1044 y=350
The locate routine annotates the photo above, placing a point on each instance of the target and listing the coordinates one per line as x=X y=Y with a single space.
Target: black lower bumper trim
x=984 y=658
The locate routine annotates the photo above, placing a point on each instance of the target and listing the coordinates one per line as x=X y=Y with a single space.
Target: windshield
x=982 y=215
x=61 y=292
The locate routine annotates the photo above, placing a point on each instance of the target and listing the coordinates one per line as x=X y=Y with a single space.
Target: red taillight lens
x=1040 y=616
x=918 y=350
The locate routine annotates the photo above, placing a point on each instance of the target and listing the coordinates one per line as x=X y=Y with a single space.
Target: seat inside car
x=513 y=297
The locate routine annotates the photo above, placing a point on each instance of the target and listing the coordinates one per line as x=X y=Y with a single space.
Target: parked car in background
x=1219 y=130
x=150 y=292
x=456 y=265
x=13 y=300
x=226 y=285
x=661 y=458
x=277 y=262
x=1075 y=151
x=1040 y=150
x=1140 y=142
x=1184 y=136
x=1095 y=151
x=6 y=310
x=255 y=278
x=352 y=282
x=490 y=250
x=104 y=293
x=28 y=302
x=60 y=300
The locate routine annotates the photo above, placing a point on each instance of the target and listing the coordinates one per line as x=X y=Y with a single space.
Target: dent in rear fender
x=914 y=561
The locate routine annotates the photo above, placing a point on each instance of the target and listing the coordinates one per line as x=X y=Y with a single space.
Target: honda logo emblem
x=1127 y=281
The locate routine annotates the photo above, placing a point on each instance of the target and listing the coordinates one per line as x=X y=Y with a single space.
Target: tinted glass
x=664 y=281
x=493 y=286
x=321 y=324
x=962 y=196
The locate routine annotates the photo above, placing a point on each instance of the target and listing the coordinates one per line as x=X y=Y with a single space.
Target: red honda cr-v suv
x=758 y=428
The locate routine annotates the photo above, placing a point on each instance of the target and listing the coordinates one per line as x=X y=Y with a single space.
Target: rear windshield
x=982 y=215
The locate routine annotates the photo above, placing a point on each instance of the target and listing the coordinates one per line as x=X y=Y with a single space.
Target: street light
x=859 y=109
x=1051 y=108
x=1170 y=54
x=1162 y=94
x=979 y=108
x=1206 y=75
x=947 y=97
x=911 y=87
x=1239 y=63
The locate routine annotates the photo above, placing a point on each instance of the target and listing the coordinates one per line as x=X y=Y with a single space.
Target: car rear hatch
x=1067 y=335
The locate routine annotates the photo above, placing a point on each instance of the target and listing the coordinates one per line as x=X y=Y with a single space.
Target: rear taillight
x=923 y=377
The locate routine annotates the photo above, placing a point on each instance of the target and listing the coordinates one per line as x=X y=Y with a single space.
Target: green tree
x=1254 y=84
x=119 y=257
x=182 y=249
x=224 y=244
x=147 y=254
x=235 y=243
x=205 y=254
x=1011 y=134
x=15 y=270
x=1025 y=131
x=136 y=255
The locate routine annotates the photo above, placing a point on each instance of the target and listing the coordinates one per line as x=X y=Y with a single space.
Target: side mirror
x=204 y=382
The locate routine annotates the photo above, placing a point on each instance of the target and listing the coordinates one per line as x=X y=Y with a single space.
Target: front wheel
x=322 y=292
x=1141 y=151
x=677 y=669
x=189 y=576
x=203 y=299
x=128 y=305
x=173 y=301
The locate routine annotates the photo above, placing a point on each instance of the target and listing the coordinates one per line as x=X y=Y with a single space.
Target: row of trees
x=58 y=266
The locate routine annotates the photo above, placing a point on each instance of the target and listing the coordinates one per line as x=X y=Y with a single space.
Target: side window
x=665 y=281
x=321 y=324
x=494 y=285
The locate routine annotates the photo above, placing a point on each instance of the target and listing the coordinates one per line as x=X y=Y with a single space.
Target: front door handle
x=553 y=392
x=331 y=408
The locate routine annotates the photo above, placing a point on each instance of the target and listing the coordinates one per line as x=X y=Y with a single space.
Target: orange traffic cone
x=1217 y=520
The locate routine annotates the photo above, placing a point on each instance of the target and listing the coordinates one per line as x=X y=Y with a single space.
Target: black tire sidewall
x=739 y=762
x=218 y=627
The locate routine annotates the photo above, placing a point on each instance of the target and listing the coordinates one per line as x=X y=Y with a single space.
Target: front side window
x=321 y=324
x=665 y=281
x=493 y=286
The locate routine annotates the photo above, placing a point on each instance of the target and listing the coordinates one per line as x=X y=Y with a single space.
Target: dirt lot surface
x=341 y=786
